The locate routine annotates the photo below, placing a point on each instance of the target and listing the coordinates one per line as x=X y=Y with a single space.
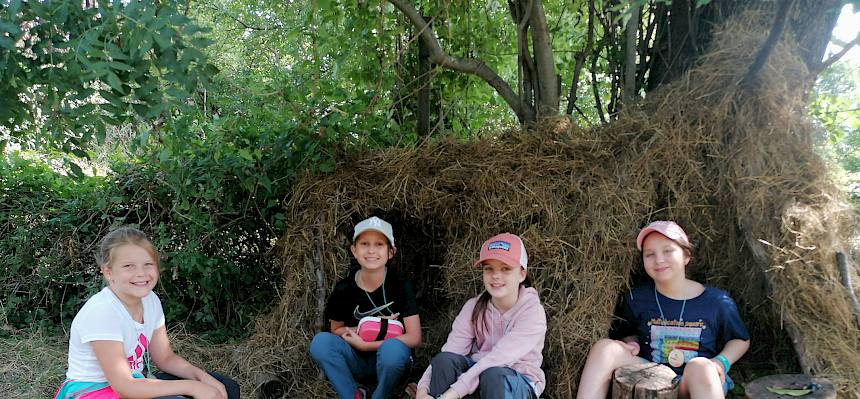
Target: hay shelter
x=733 y=165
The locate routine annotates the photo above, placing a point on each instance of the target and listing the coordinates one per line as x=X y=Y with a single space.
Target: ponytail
x=478 y=320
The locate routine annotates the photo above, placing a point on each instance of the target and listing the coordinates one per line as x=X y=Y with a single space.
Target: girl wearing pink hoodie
x=494 y=348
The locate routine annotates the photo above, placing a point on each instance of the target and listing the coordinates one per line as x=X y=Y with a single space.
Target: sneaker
x=360 y=393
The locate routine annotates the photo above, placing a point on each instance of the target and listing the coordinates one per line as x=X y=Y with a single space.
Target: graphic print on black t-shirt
x=348 y=303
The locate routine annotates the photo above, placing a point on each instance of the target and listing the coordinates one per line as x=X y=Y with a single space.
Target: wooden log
x=758 y=389
x=269 y=386
x=644 y=381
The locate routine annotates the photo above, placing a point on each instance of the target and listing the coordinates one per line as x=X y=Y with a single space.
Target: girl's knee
x=322 y=343
x=444 y=360
x=701 y=367
x=493 y=375
x=606 y=346
x=393 y=352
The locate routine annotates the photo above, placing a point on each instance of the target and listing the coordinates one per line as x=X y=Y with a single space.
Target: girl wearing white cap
x=693 y=328
x=373 y=319
x=494 y=348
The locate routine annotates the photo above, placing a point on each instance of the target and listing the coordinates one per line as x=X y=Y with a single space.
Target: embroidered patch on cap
x=503 y=245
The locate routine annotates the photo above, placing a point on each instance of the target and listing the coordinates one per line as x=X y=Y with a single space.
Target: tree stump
x=644 y=381
x=758 y=388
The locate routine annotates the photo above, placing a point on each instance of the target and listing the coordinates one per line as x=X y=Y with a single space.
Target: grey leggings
x=495 y=382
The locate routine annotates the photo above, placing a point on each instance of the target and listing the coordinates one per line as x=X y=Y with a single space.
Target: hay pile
x=735 y=167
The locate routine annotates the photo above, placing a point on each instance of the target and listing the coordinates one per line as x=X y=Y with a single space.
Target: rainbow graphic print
x=671 y=336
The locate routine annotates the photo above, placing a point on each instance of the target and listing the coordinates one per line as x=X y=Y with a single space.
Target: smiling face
x=665 y=260
x=501 y=280
x=371 y=250
x=131 y=272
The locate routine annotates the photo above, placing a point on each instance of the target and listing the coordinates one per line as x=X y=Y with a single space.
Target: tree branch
x=594 y=84
x=631 y=30
x=545 y=62
x=770 y=43
x=471 y=66
x=830 y=61
x=580 y=61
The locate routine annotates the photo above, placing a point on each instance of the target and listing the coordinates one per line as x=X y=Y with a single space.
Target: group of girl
x=494 y=348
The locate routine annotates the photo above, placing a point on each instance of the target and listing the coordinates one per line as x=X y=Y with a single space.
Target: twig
x=830 y=61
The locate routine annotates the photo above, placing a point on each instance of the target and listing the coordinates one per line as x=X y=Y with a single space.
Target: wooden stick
x=842 y=264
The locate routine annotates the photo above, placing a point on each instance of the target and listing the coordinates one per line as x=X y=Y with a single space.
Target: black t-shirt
x=349 y=303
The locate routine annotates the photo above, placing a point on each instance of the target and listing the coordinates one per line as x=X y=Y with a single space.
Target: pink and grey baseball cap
x=667 y=228
x=375 y=224
x=505 y=247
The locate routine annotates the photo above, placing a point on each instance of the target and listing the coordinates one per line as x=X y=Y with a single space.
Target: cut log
x=269 y=386
x=644 y=381
x=758 y=389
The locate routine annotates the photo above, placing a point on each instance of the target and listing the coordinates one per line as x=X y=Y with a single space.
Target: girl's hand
x=353 y=339
x=423 y=394
x=720 y=370
x=206 y=391
x=211 y=381
x=450 y=394
x=392 y=317
x=633 y=347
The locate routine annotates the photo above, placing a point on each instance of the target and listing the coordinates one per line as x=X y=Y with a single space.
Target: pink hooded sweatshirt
x=514 y=339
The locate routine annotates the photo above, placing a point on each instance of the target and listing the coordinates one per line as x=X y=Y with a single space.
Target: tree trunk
x=689 y=32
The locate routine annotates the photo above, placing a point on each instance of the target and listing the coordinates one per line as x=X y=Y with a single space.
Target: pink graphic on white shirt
x=135 y=362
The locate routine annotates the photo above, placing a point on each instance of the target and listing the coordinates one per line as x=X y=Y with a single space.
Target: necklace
x=677 y=357
x=683 y=305
x=385 y=302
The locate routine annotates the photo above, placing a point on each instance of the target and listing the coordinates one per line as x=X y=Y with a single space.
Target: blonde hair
x=122 y=236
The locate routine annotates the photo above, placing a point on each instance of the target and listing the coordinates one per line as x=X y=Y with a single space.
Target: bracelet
x=726 y=365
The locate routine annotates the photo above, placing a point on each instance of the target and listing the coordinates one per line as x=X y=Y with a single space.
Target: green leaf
x=75 y=169
x=114 y=82
x=789 y=391
x=120 y=66
x=326 y=166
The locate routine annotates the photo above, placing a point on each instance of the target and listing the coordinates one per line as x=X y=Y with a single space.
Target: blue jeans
x=494 y=382
x=342 y=364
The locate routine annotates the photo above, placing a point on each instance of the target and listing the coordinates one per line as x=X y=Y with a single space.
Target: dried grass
x=733 y=165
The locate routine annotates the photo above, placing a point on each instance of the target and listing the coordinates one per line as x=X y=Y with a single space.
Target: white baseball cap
x=375 y=224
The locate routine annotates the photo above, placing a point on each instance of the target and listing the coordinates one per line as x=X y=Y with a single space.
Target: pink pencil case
x=377 y=329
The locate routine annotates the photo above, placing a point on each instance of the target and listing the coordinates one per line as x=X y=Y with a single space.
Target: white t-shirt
x=104 y=318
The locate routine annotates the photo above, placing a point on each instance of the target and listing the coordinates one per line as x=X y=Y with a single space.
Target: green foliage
x=67 y=72
x=201 y=214
x=835 y=105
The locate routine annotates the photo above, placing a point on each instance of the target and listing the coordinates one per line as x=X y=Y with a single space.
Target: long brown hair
x=478 y=320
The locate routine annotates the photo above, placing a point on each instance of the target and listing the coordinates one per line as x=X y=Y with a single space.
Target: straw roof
x=733 y=165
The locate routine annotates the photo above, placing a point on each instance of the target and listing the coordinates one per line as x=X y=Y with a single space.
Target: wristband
x=726 y=365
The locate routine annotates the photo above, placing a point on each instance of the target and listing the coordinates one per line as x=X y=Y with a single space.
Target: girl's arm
x=412 y=336
x=115 y=366
x=169 y=362
x=338 y=327
x=733 y=350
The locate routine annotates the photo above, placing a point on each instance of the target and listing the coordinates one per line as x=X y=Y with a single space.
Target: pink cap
x=667 y=228
x=505 y=247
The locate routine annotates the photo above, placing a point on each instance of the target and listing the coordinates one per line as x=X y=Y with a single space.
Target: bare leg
x=701 y=380
x=604 y=357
